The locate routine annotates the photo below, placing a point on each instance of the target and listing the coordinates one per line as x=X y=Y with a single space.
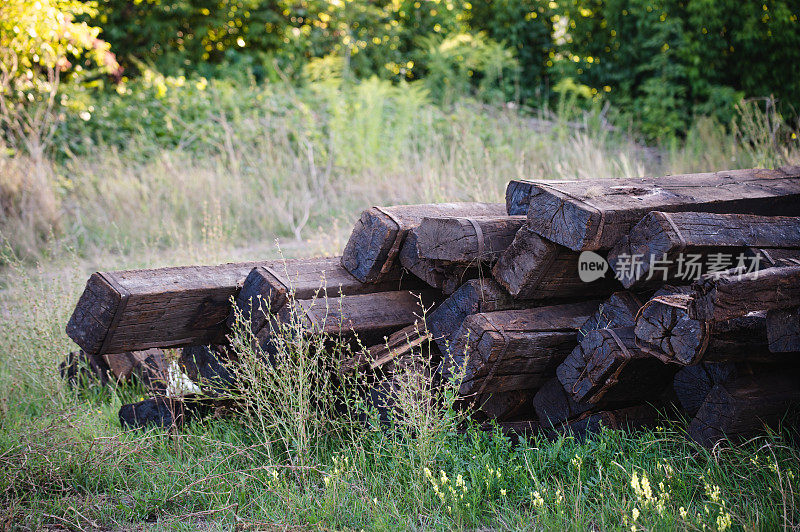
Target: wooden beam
x=443 y=275
x=743 y=408
x=267 y=288
x=472 y=297
x=369 y=317
x=608 y=366
x=135 y=310
x=466 y=240
x=554 y=406
x=692 y=384
x=665 y=329
x=666 y=240
x=514 y=349
x=535 y=268
x=376 y=239
x=731 y=295
x=783 y=330
x=596 y=214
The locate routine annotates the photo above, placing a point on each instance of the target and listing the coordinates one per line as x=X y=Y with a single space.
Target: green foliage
x=37 y=36
x=666 y=61
x=526 y=28
x=660 y=63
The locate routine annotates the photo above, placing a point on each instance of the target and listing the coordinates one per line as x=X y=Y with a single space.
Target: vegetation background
x=162 y=132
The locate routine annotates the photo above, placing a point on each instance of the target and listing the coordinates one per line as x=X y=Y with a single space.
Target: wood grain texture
x=268 y=287
x=506 y=406
x=665 y=239
x=374 y=244
x=472 y=297
x=535 y=268
x=722 y=297
x=783 y=330
x=514 y=349
x=443 y=275
x=741 y=409
x=665 y=329
x=466 y=240
x=369 y=317
x=412 y=341
x=608 y=366
x=617 y=311
x=596 y=214
x=135 y=310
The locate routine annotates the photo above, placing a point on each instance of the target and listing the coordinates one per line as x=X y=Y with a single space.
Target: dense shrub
x=668 y=60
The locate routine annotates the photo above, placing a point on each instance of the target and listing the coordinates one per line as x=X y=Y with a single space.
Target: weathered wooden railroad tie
x=576 y=305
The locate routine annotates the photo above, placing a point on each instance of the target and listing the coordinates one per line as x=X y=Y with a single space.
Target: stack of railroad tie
x=574 y=305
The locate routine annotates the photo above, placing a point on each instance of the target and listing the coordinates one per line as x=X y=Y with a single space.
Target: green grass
x=65 y=461
x=299 y=166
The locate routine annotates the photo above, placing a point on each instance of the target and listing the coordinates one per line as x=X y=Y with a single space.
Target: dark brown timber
x=268 y=287
x=731 y=295
x=554 y=406
x=535 y=268
x=135 y=310
x=370 y=317
x=409 y=341
x=657 y=248
x=446 y=276
x=371 y=252
x=473 y=297
x=740 y=409
x=514 y=349
x=466 y=240
x=608 y=366
x=783 y=330
x=617 y=311
x=692 y=384
x=665 y=329
x=596 y=214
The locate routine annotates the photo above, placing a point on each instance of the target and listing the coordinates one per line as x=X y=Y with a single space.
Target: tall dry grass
x=301 y=163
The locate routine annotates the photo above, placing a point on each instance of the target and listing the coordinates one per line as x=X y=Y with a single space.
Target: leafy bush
x=665 y=62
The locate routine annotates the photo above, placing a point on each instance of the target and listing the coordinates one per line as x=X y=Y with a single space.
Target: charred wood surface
x=740 y=409
x=554 y=406
x=783 y=330
x=608 y=366
x=446 y=276
x=472 y=297
x=665 y=329
x=731 y=295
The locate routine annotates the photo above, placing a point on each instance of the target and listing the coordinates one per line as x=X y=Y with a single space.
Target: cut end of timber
x=94 y=314
x=664 y=329
x=372 y=243
x=578 y=227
